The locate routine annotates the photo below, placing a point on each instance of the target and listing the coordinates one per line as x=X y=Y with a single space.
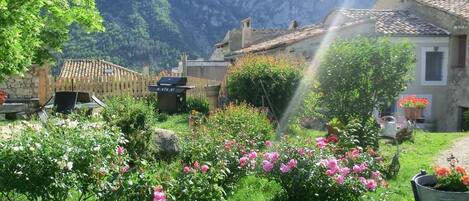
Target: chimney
x=184 y=64
x=246 y=32
x=146 y=69
x=293 y=25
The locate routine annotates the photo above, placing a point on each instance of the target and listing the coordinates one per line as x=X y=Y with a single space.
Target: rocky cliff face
x=157 y=31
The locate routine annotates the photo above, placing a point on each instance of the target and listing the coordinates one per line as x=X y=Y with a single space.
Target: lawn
x=177 y=123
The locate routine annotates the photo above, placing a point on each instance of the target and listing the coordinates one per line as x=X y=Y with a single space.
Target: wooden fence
x=107 y=86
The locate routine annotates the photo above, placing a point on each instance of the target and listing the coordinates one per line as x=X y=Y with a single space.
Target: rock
x=167 y=142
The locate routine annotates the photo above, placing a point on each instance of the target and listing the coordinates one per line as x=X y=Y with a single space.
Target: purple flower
x=267 y=165
x=284 y=168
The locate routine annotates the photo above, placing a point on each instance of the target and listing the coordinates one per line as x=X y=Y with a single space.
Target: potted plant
x=413 y=106
x=447 y=183
x=3 y=97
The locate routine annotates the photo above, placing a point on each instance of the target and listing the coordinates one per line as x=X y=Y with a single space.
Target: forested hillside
x=155 y=32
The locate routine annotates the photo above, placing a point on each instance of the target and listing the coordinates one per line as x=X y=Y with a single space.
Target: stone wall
x=22 y=87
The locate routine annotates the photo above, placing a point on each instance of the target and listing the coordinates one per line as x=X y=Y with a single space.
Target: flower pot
x=422 y=186
x=413 y=113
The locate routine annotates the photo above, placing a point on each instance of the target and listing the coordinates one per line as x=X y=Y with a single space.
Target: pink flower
x=321 y=142
x=354 y=153
x=371 y=184
x=243 y=161
x=196 y=165
x=376 y=175
x=158 y=194
x=268 y=143
x=119 y=150
x=252 y=155
x=187 y=169
x=332 y=138
x=344 y=171
x=359 y=168
x=332 y=165
x=301 y=151
x=267 y=165
x=284 y=168
x=204 y=168
x=292 y=163
x=340 y=179
x=272 y=156
x=125 y=169
x=362 y=180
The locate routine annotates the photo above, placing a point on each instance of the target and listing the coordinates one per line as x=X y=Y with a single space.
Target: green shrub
x=50 y=162
x=134 y=118
x=278 y=76
x=360 y=133
x=361 y=74
x=197 y=104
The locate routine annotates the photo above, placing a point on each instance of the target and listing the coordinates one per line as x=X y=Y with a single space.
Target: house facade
x=437 y=28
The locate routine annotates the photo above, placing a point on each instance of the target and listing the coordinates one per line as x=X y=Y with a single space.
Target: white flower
x=69 y=165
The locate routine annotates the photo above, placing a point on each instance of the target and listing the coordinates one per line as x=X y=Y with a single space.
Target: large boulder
x=167 y=142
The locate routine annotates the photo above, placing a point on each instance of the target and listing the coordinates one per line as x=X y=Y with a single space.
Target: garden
x=131 y=151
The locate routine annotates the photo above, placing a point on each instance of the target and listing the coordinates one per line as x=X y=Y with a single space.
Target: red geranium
x=3 y=96
x=413 y=102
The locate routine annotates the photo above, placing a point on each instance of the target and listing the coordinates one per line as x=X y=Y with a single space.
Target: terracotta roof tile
x=391 y=22
x=73 y=68
x=458 y=8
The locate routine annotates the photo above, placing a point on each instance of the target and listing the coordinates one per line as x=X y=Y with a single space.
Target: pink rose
x=340 y=179
x=187 y=169
x=359 y=168
x=376 y=175
x=158 y=194
x=204 y=168
x=301 y=151
x=196 y=165
x=362 y=180
x=371 y=184
x=292 y=163
x=344 y=171
x=243 y=161
x=268 y=143
x=119 y=150
x=321 y=142
x=332 y=164
x=252 y=155
x=272 y=156
x=267 y=165
x=284 y=168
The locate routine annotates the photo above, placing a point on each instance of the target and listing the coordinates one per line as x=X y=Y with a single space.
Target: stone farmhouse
x=437 y=28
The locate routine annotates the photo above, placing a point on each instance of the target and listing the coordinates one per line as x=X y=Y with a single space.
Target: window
x=434 y=65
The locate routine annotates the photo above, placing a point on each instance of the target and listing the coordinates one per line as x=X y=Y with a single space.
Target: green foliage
x=360 y=133
x=197 y=104
x=256 y=189
x=134 y=118
x=50 y=162
x=30 y=30
x=361 y=74
x=279 y=76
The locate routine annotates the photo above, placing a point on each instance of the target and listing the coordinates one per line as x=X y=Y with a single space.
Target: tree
x=31 y=30
x=265 y=81
x=361 y=74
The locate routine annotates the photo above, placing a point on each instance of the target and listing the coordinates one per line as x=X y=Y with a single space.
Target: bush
x=134 y=118
x=359 y=75
x=50 y=162
x=359 y=133
x=197 y=104
x=278 y=76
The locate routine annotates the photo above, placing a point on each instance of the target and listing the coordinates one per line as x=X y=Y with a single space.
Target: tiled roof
x=391 y=22
x=73 y=68
x=458 y=8
x=291 y=38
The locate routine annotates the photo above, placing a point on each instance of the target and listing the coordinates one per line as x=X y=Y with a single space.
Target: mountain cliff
x=155 y=32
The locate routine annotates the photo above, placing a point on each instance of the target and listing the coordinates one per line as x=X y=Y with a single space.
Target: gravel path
x=460 y=150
